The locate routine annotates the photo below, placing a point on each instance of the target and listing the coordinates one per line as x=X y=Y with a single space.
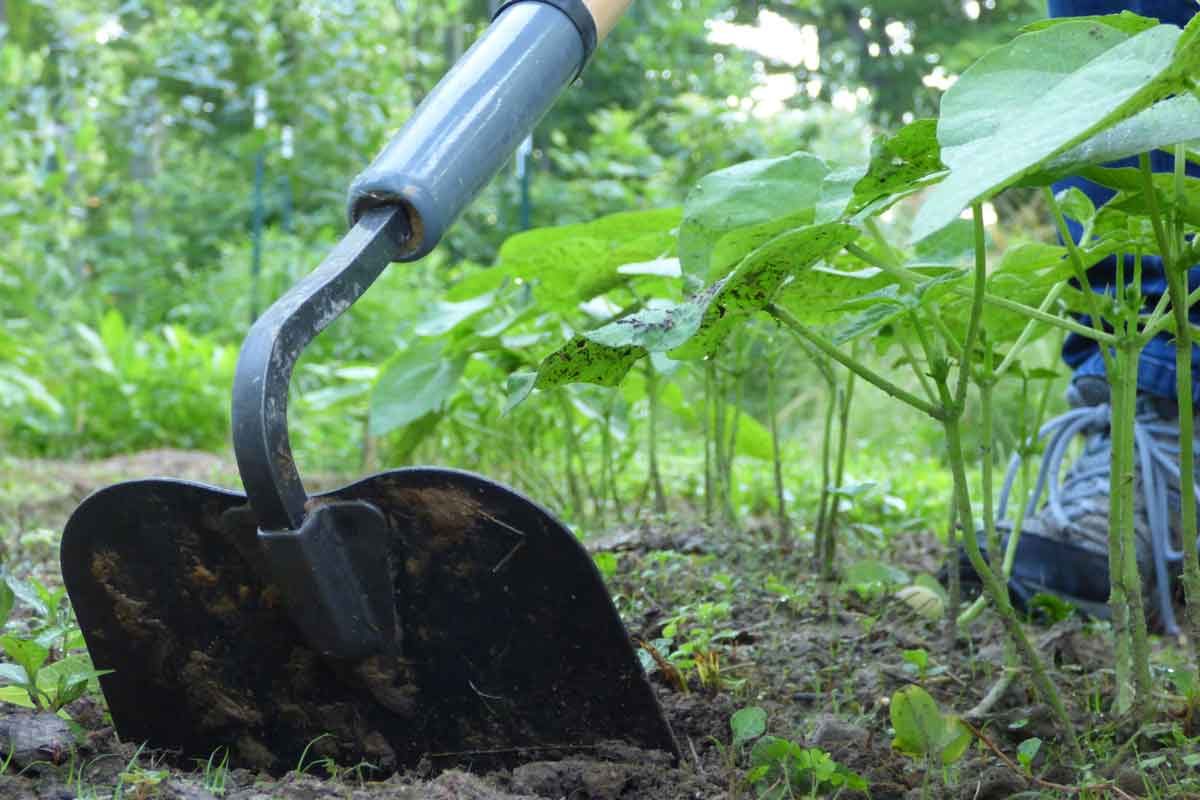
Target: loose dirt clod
x=32 y=737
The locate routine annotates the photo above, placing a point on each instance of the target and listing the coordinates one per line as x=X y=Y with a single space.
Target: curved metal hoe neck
x=274 y=344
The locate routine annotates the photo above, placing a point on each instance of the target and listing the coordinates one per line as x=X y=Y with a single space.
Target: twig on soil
x=984 y=706
x=1045 y=784
x=695 y=756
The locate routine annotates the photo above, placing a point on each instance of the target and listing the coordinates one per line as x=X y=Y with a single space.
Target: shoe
x=1063 y=548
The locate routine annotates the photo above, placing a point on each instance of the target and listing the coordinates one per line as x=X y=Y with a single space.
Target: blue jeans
x=1156 y=367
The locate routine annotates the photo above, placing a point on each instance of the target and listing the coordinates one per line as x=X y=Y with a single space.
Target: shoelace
x=1158 y=462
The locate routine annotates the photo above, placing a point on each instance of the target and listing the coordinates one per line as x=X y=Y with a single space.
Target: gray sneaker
x=1063 y=549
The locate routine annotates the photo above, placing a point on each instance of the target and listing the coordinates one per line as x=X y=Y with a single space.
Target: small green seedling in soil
x=794 y=599
x=1026 y=752
x=918 y=659
x=872 y=580
x=32 y=678
x=216 y=773
x=702 y=643
x=781 y=769
x=923 y=731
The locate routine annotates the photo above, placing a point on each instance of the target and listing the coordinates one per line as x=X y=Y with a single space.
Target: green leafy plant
x=1027 y=751
x=40 y=673
x=922 y=730
x=696 y=643
x=780 y=769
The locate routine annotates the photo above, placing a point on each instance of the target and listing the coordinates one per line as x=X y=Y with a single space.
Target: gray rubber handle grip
x=470 y=125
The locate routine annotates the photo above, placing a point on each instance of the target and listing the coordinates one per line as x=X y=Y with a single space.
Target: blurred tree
x=891 y=48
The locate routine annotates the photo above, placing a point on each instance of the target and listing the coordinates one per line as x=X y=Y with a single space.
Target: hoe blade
x=510 y=648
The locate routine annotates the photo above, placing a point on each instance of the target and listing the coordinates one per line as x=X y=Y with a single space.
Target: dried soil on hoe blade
x=511 y=649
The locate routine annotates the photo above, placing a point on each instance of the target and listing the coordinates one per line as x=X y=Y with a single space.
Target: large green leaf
x=1126 y=21
x=1166 y=123
x=745 y=195
x=900 y=165
x=445 y=316
x=572 y=263
x=817 y=295
x=1041 y=94
x=697 y=327
x=415 y=382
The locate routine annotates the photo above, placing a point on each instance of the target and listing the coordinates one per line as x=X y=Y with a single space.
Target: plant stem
x=1177 y=288
x=823 y=508
x=985 y=383
x=1124 y=438
x=995 y=588
x=1036 y=314
x=706 y=423
x=1027 y=332
x=1090 y=297
x=660 y=497
x=784 y=523
x=904 y=277
x=1118 y=596
x=829 y=555
x=954 y=578
x=857 y=368
x=922 y=378
x=976 y=318
x=997 y=592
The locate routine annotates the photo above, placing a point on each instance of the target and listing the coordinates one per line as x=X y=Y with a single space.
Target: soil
x=823 y=662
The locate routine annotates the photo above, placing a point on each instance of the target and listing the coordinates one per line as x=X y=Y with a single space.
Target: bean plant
x=806 y=244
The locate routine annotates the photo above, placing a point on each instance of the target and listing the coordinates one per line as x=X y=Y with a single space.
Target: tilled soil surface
x=823 y=664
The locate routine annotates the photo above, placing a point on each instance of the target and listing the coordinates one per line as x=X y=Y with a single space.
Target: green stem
x=1160 y=324
x=993 y=586
x=660 y=496
x=976 y=318
x=872 y=226
x=911 y=355
x=1090 y=297
x=823 y=507
x=1121 y=515
x=954 y=578
x=854 y=366
x=776 y=450
x=1177 y=287
x=706 y=423
x=906 y=278
x=1030 y=326
x=1118 y=596
x=1030 y=312
x=985 y=384
x=997 y=592
x=829 y=556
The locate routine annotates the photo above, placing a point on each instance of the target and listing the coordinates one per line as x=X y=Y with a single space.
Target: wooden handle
x=606 y=13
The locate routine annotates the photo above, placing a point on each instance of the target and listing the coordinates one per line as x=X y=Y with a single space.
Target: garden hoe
x=419 y=616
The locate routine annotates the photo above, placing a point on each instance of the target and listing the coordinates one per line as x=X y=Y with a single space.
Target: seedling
x=922 y=730
x=702 y=643
x=1026 y=752
x=33 y=677
x=781 y=769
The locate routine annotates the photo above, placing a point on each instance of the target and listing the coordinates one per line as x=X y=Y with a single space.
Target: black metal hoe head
x=417 y=616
